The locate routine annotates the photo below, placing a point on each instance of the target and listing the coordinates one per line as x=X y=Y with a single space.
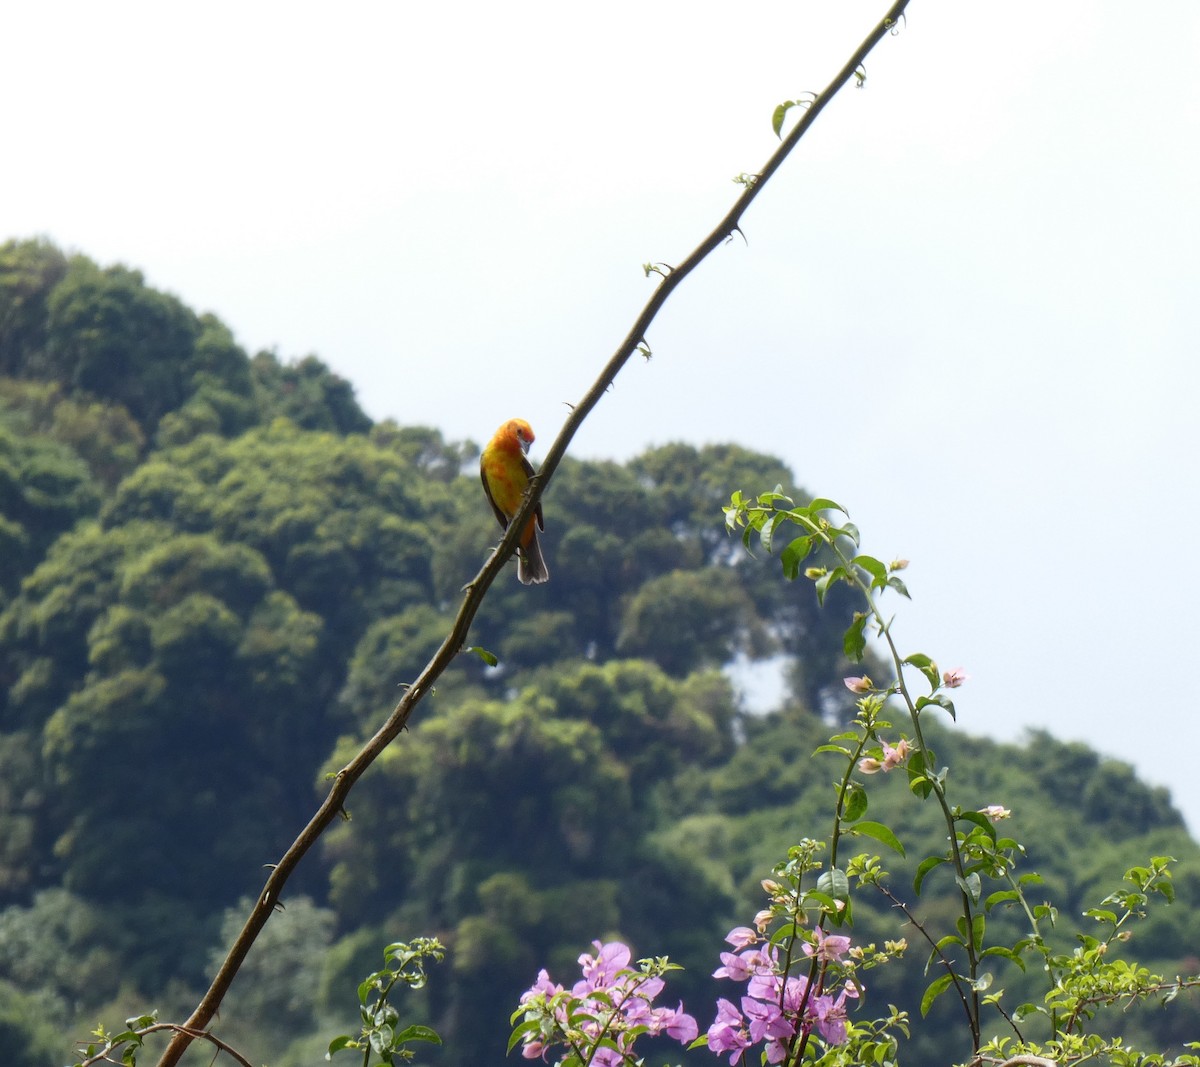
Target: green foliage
x=29 y=271
x=44 y=490
x=111 y=336
x=182 y=656
x=26 y=1036
x=281 y=977
x=380 y=1034
x=307 y=393
x=135 y=364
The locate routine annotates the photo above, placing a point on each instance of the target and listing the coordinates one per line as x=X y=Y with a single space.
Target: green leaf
x=881 y=833
x=970 y=885
x=977 y=818
x=794 y=554
x=416 y=1032
x=854 y=642
x=926 y=666
x=834 y=883
x=519 y=1032
x=767 y=535
x=833 y=748
x=934 y=990
x=895 y=583
x=490 y=658
x=828 y=579
x=874 y=568
x=779 y=114
x=822 y=503
x=927 y=865
x=1001 y=896
x=941 y=700
x=339 y=1043
x=1007 y=953
x=854 y=803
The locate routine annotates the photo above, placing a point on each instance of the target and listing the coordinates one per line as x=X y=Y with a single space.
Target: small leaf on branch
x=835 y=884
x=874 y=568
x=977 y=818
x=927 y=667
x=927 y=865
x=941 y=700
x=794 y=553
x=935 y=989
x=490 y=658
x=881 y=834
x=829 y=578
x=854 y=642
x=970 y=885
x=854 y=805
x=822 y=503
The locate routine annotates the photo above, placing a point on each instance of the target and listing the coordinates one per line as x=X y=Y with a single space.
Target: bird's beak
x=524 y=445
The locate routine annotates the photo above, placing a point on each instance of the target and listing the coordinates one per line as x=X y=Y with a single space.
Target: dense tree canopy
x=215 y=576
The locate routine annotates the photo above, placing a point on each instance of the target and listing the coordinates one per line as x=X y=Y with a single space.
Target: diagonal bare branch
x=477 y=589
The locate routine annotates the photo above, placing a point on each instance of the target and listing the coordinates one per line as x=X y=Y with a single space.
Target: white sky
x=968 y=308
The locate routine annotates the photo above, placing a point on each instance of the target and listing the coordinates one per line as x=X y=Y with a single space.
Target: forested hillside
x=216 y=573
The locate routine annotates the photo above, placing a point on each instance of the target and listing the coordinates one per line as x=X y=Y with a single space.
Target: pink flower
x=893 y=757
x=741 y=936
x=676 y=1024
x=765 y=1020
x=830 y=947
x=542 y=985
x=750 y=962
x=859 y=685
x=830 y=1014
x=954 y=677
x=995 y=812
x=600 y=970
x=869 y=765
x=728 y=1032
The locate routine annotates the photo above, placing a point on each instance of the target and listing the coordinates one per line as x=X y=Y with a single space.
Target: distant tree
x=45 y=488
x=109 y=335
x=308 y=393
x=29 y=271
x=690 y=619
x=27 y=1038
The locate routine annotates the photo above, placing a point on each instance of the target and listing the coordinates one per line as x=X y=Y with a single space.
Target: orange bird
x=506 y=472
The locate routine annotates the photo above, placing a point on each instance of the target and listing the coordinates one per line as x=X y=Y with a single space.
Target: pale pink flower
x=831 y=947
x=893 y=757
x=995 y=812
x=954 y=677
x=741 y=936
x=859 y=685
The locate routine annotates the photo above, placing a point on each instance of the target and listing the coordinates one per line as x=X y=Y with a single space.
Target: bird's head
x=523 y=433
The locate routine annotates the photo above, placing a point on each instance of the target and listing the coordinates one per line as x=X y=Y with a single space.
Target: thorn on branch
x=738 y=231
x=860 y=76
x=657 y=268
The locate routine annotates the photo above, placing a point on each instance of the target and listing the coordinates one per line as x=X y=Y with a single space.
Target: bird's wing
x=500 y=516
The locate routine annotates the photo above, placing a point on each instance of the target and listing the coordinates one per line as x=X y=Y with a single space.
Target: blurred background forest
x=215 y=574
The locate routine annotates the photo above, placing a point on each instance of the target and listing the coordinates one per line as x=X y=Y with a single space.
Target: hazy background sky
x=968 y=307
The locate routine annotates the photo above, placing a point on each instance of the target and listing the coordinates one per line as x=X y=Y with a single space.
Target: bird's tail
x=531 y=564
